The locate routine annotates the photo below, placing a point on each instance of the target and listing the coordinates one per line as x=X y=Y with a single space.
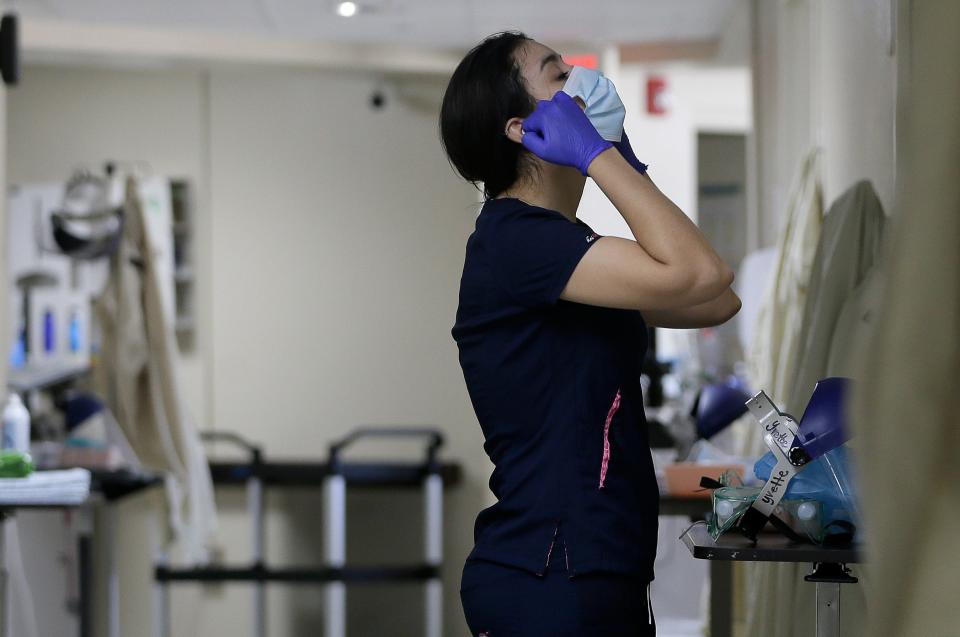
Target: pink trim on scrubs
x=606 y=440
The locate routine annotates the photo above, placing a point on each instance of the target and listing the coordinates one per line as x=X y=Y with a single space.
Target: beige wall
x=337 y=248
x=824 y=77
x=856 y=87
x=330 y=244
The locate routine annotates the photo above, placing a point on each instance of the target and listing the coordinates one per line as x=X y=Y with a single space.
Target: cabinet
x=184 y=271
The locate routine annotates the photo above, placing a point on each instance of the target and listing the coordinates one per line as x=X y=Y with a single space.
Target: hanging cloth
x=839 y=311
x=137 y=375
x=774 y=350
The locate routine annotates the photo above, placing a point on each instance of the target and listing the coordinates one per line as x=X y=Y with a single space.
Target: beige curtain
x=774 y=350
x=908 y=406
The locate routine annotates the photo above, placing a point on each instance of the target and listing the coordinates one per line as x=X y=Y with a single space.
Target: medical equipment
x=800 y=519
x=602 y=104
x=718 y=405
x=794 y=447
x=86 y=226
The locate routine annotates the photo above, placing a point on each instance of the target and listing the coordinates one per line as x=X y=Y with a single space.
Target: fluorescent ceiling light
x=347 y=9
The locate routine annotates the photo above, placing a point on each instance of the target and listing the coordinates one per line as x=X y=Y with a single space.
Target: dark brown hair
x=485 y=91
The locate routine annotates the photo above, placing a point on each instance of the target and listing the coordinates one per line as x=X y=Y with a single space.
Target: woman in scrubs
x=551 y=331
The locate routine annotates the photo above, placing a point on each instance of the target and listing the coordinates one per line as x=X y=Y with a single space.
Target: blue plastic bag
x=828 y=479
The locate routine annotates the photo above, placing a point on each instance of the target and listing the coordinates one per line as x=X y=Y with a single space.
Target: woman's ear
x=514 y=130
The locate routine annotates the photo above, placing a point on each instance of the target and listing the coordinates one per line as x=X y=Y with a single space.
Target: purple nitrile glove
x=627 y=151
x=559 y=131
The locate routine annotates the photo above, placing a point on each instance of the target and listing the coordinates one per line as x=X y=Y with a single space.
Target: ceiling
x=447 y=24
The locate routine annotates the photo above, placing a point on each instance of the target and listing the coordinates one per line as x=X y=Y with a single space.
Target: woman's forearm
x=714 y=312
x=660 y=227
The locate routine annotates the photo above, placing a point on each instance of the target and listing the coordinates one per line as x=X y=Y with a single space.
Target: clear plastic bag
x=804 y=516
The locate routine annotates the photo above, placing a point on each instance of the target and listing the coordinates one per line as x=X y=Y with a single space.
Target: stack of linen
x=46 y=488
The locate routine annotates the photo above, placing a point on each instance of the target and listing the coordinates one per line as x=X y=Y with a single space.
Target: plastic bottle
x=16 y=425
x=49 y=332
x=73 y=329
x=18 y=353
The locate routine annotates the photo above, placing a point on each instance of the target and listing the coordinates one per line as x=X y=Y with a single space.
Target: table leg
x=113 y=579
x=828 y=609
x=433 y=540
x=85 y=575
x=828 y=576
x=161 y=601
x=721 y=598
x=335 y=554
x=4 y=602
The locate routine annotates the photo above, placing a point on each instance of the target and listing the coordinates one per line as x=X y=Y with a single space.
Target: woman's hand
x=559 y=131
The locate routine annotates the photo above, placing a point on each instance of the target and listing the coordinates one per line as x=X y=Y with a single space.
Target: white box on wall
x=31 y=250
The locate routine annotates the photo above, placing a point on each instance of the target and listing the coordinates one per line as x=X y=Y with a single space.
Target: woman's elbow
x=725 y=310
x=710 y=281
x=732 y=308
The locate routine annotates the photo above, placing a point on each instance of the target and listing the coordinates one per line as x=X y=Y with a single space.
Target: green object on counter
x=14 y=464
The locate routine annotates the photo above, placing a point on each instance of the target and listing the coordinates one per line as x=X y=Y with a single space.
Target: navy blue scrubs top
x=556 y=389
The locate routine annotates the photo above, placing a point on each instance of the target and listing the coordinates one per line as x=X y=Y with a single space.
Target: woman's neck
x=560 y=188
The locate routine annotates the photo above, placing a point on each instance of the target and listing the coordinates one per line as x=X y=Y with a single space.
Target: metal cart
x=334 y=476
x=829 y=564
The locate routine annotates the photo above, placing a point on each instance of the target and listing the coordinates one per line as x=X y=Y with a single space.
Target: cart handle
x=435 y=439
x=256 y=453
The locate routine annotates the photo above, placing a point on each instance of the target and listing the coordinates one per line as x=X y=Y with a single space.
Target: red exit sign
x=589 y=60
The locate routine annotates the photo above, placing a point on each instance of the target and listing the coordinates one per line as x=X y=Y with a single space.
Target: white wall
x=703 y=99
x=330 y=244
x=856 y=88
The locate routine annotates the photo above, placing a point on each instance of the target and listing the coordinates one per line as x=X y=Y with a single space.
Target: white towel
x=67 y=487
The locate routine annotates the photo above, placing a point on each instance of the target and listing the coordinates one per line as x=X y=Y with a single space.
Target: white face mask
x=604 y=108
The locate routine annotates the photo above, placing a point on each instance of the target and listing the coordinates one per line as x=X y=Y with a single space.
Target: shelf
x=184 y=274
x=33 y=377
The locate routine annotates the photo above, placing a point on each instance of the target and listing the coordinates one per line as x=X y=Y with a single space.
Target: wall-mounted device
x=9 y=49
